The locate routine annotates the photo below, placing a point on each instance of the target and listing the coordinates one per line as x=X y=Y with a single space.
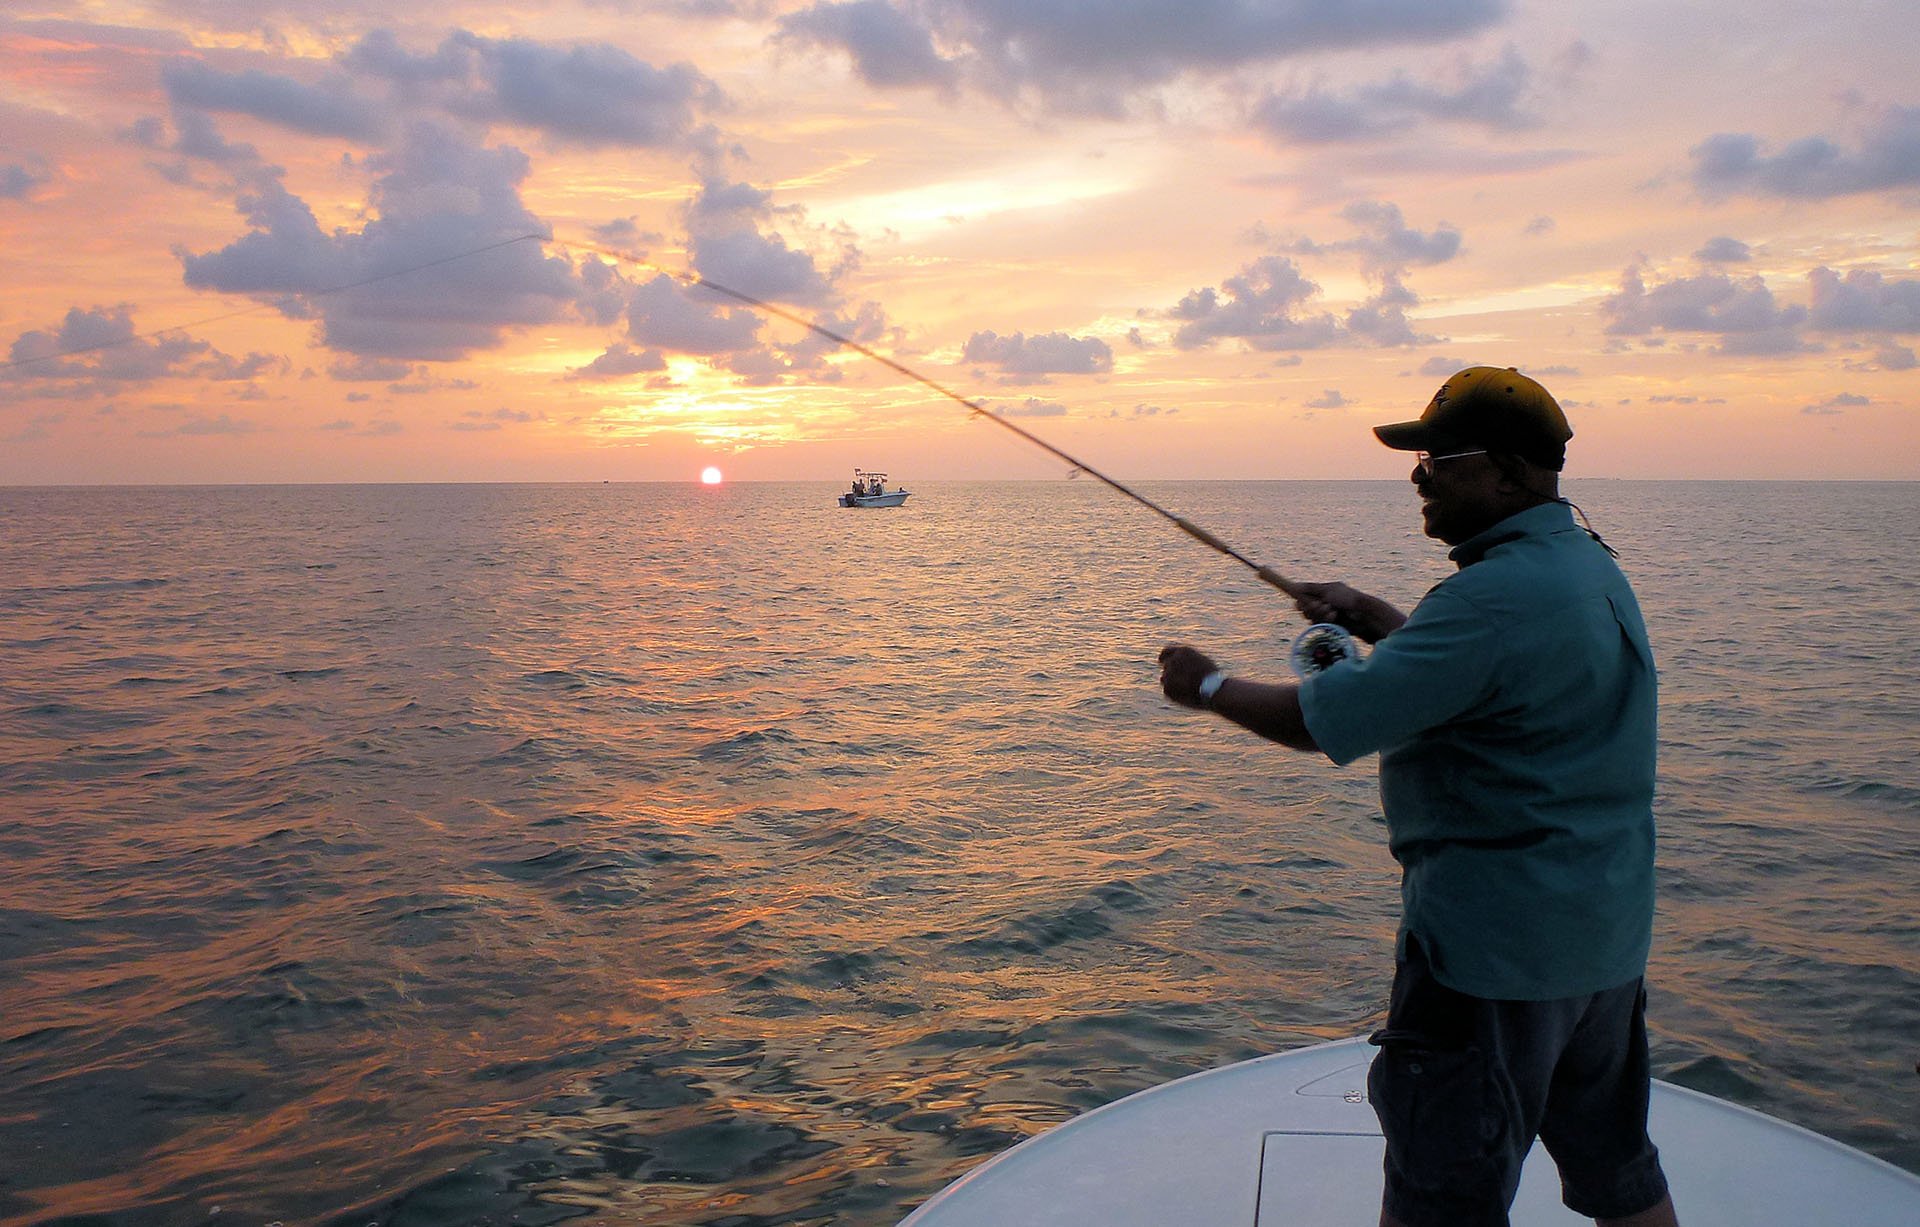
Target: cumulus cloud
x=1749 y=320
x=1724 y=250
x=1329 y=399
x=372 y=430
x=725 y=223
x=662 y=313
x=437 y=198
x=621 y=361
x=1265 y=305
x=888 y=48
x=1743 y=313
x=1382 y=319
x=1023 y=358
x=1863 y=301
x=329 y=109
x=591 y=94
x=1479 y=95
x=1092 y=57
x=1837 y=404
x=1033 y=407
x=1886 y=156
x=367 y=368
x=864 y=326
x=498 y=419
x=197 y=136
x=760 y=265
x=1386 y=243
x=100 y=345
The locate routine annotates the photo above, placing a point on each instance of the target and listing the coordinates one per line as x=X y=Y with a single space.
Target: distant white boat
x=1290 y=1140
x=870 y=490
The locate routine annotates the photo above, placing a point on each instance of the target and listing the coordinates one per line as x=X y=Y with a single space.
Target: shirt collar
x=1533 y=522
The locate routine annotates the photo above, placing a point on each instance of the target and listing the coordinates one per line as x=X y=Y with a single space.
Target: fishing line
x=1268 y=574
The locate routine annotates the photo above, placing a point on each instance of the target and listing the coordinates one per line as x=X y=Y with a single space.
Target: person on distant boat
x=1513 y=711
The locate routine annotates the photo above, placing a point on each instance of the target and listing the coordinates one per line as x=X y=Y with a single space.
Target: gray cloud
x=1387 y=243
x=1263 y=305
x=366 y=368
x=1091 y=57
x=1382 y=319
x=1743 y=313
x=436 y=197
x=100 y=346
x=326 y=110
x=1837 y=404
x=1054 y=353
x=1485 y=96
x=865 y=326
x=17 y=179
x=1724 y=250
x=1747 y=319
x=1814 y=167
x=729 y=248
x=621 y=361
x=661 y=313
x=197 y=136
x=759 y=265
x=1863 y=301
x=591 y=94
x=889 y=49
x=1033 y=407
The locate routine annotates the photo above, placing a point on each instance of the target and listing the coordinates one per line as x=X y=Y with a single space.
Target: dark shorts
x=1463 y=1085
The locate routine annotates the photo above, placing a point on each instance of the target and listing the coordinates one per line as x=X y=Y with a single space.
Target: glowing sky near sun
x=288 y=241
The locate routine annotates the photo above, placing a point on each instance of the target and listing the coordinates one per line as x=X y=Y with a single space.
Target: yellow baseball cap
x=1493 y=407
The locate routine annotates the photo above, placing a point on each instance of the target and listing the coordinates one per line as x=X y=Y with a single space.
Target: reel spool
x=1320 y=647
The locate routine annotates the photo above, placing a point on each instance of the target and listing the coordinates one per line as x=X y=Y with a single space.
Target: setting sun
x=711 y=476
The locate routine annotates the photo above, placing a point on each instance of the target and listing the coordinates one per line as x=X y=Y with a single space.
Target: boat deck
x=1290 y=1141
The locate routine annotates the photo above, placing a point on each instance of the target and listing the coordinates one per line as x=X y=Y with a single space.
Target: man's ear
x=1513 y=473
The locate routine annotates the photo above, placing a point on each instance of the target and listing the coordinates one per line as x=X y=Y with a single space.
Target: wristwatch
x=1210 y=686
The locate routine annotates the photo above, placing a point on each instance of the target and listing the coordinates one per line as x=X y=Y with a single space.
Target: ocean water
x=448 y=855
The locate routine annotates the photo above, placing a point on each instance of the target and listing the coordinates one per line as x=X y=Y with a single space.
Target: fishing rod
x=1267 y=574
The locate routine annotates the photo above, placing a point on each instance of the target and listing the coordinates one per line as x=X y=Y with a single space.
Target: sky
x=288 y=241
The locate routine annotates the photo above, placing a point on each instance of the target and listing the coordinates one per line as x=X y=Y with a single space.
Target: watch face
x=1322 y=646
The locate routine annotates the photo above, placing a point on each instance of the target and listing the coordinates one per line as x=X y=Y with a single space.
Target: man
x=1513 y=712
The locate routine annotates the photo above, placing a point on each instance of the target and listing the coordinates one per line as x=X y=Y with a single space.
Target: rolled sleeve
x=1428 y=672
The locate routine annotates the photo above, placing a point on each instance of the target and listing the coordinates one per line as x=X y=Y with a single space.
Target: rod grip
x=1202 y=535
x=1276 y=579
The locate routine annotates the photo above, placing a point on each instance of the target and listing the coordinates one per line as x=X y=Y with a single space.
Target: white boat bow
x=1289 y=1140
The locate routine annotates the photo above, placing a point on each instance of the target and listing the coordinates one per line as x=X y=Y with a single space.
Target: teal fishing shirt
x=1514 y=716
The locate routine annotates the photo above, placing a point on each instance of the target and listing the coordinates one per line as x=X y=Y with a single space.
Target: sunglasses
x=1426 y=460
